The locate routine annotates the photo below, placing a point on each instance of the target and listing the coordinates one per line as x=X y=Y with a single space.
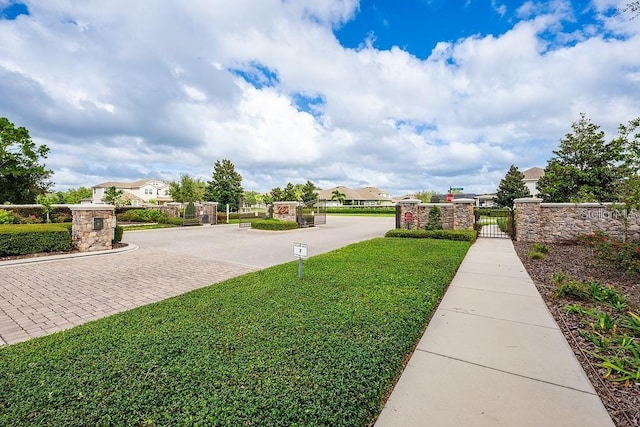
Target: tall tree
x=226 y=185
x=188 y=189
x=290 y=193
x=425 y=195
x=586 y=168
x=74 y=195
x=113 y=196
x=511 y=187
x=277 y=195
x=309 y=192
x=22 y=176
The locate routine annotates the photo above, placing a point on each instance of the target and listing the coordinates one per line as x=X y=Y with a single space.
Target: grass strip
x=261 y=349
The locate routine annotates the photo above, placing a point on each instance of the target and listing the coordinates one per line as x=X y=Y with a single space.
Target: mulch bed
x=622 y=401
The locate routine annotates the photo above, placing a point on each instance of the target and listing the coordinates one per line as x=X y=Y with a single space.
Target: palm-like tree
x=338 y=195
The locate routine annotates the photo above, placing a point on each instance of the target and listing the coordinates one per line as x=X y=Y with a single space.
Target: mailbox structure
x=93 y=227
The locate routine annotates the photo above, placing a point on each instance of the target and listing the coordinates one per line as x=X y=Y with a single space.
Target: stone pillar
x=463 y=218
x=527 y=219
x=285 y=211
x=408 y=214
x=92 y=227
x=211 y=210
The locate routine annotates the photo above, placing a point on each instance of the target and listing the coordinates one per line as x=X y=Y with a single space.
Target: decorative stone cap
x=528 y=200
x=286 y=203
x=92 y=207
x=463 y=201
x=409 y=201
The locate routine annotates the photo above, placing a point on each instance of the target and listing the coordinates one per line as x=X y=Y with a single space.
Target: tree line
x=24 y=179
x=585 y=168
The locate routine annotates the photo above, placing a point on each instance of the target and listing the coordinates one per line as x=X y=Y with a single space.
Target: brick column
x=285 y=211
x=408 y=214
x=527 y=219
x=92 y=228
x=463 y=214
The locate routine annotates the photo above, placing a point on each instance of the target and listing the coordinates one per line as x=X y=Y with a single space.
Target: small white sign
x=300 y=250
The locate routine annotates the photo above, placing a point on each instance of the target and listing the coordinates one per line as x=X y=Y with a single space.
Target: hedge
x=463 y=235
x=363 y=210
x=34 y=238
x=273 y=224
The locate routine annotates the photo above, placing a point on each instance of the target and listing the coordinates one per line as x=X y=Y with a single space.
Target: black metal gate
x=495 y=222
x=312 y=213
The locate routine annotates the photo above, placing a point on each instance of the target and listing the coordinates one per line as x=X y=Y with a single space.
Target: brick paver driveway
x=38 y=298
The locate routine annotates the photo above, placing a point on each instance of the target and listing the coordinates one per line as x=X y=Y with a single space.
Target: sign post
x=300 y=252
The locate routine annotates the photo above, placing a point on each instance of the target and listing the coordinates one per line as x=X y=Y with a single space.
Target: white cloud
x=122 y=90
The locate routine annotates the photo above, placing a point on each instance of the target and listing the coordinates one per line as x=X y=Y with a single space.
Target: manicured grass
x=261 y=349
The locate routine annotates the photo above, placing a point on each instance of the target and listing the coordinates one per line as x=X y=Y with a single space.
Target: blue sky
x=404 y=95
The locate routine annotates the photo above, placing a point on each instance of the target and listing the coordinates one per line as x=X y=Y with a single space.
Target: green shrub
x=6 y=217
x=623 y=255
x=434 y=222
x=273 y=224
x=539 y=247
x=35 y=238
x=141 y=215
x=117 y=234
x=533 y=254
x=461 y=235
x=170 y=220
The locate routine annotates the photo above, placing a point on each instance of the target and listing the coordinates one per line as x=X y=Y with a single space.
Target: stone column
x=408 y=214
x=463 y=218
x=527 y=219
x=92 y=227
x=285 y=211
x=211 y=210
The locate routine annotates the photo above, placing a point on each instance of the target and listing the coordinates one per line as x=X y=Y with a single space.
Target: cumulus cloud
x=126 y=90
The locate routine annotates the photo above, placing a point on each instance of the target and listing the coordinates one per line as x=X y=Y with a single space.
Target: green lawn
x=261 y=349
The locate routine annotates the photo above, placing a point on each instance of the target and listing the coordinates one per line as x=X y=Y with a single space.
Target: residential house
x=365 y=196
x=137 y=192
x=531 y=177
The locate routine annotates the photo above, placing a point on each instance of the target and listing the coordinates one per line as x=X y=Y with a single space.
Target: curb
x=51 y=258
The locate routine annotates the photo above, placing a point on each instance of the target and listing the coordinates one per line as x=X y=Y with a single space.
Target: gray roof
x=533 y=174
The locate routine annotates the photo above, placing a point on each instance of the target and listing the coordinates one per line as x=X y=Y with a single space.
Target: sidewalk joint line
x=509 y=373
x=495 y=292
x=497 y=318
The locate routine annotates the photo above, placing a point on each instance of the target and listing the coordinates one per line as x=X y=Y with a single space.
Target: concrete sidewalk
x=493 y=355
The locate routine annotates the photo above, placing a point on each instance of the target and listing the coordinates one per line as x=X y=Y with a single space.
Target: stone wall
x=414 y=214
x=92 y=227
x=285 y=211
x=557 y=222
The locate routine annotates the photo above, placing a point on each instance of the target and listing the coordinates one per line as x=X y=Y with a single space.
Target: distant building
x=531 y=177
x=137 y=192
x=365 y=196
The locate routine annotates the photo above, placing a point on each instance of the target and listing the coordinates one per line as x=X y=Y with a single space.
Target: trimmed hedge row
x=460 y=235
x=363 y=210
x=493 y=212
x=273 y=224
x=33 y=238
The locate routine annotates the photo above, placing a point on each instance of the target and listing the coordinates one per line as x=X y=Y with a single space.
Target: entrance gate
x=494 y=222
x=312 y=213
